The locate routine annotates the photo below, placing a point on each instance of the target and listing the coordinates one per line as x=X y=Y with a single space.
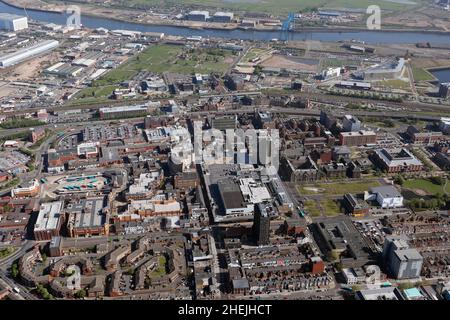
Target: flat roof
x=386 y=191
x=231 y=194
x=87 y=213
x=49 y=214
x=123 y=108
x=10 y=16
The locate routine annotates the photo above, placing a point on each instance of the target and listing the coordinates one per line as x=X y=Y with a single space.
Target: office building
x=387 y=196
x=49 y=221
x=359 y=138
x=351 y=123
x=397 y=160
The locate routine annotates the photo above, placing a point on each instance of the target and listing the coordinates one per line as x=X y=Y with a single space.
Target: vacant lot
x=169 y=58
x=158 y=59
x=327 y=207
x=337 y=188
x=312 y=209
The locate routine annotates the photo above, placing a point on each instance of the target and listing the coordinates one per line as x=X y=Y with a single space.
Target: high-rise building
x=351 y=123
x=402 y=262
x=261 y=224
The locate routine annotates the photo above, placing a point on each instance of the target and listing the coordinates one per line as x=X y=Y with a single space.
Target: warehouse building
x=125 y=111
x=21 y=55
x=12 y=22
x=64 y=70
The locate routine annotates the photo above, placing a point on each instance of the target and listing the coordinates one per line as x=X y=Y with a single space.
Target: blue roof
x=412 y=293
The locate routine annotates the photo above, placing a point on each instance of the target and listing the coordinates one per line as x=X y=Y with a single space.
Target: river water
x=111 y=24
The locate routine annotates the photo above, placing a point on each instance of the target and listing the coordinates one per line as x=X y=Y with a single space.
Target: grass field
x=337 y=188
x=312 y=209
x=330 y=207
x=425 y=185
x=277 y=6
x=420 y=74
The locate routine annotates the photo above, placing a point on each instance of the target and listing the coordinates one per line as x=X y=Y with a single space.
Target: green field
x=420 y=74
x=274 y=6
x=426 y=186
x=336 y=188
x=161 y=269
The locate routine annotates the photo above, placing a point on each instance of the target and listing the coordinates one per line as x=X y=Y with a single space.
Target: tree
x=399 y=180
x=438 y=180
x=80 y=294
x=15 y=270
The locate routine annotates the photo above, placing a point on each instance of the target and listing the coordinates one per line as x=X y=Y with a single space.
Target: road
x=9 y=283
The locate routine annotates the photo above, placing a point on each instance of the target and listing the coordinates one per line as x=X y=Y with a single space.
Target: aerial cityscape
x=240 y=150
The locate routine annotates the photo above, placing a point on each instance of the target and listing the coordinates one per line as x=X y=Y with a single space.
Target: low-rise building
x=397 y=160
x=357 y=138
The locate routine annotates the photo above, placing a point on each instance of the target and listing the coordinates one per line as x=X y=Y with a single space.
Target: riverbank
x=135 y=17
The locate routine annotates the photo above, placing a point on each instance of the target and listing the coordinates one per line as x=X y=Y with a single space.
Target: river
x=111 y=24
x=443 y=75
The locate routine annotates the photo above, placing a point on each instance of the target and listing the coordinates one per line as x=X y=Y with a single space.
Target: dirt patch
x=278 y=61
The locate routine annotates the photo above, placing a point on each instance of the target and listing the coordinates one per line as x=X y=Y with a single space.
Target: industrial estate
x=139 y=163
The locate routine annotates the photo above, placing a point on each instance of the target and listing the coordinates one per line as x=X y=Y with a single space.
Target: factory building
x=12 y=22
x=21 y=55
x=198 y=16
x=223 y=17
